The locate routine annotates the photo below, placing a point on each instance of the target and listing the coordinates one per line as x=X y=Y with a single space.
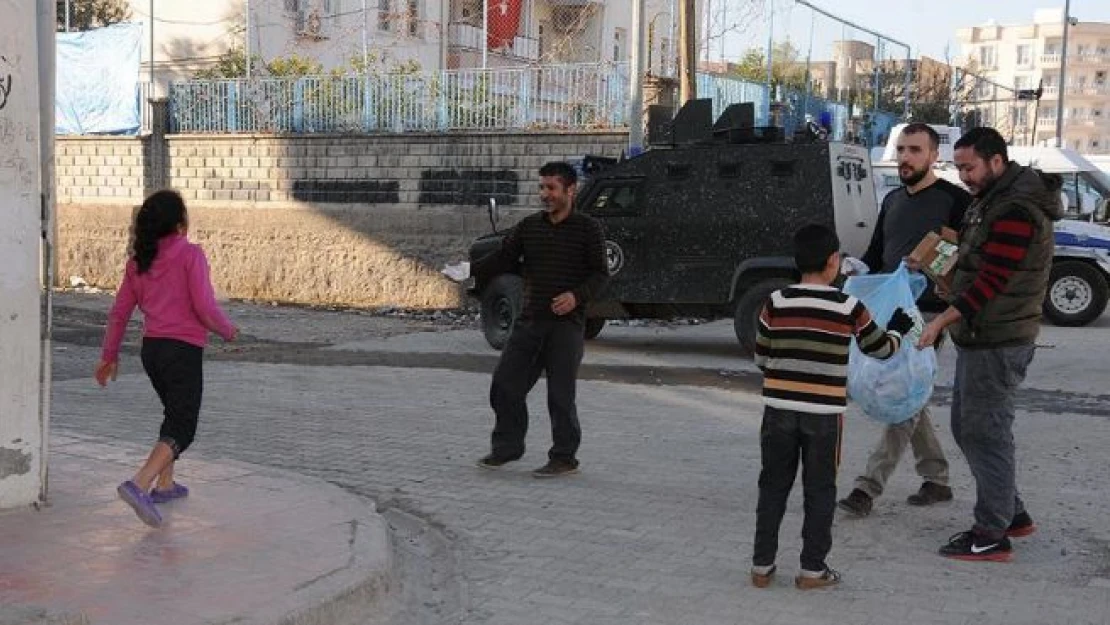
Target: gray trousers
x=916 y=432
x=983 y=425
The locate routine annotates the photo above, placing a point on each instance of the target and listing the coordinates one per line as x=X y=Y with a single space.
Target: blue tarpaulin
x=98 y=80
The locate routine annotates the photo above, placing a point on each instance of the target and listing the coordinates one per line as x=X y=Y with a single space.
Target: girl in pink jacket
x=167 y=278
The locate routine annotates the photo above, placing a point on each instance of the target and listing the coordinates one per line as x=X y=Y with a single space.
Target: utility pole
x=485 y=34
x=1063 y=78
x=67 y=15
x=365 y=48
x=152 y=47
x=636 y=79
x=247 y=38
x=688 y=51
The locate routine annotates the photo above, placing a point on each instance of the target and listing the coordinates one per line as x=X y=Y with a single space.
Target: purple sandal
x=177 y=491
x=140 y=502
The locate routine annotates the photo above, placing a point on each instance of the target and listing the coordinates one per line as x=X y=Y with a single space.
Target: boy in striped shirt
x=802 y=345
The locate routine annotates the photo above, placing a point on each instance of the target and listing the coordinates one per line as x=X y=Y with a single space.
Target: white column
x=22 y=421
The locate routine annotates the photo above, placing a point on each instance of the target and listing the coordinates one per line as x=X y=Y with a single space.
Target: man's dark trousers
x=785 y=437
x=983 y=426
x=550 y=346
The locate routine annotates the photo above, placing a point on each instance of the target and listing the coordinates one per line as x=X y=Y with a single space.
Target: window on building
x=620 y=35
x=1100 y=77
x=1020 y=115
x=415 y=17
x=1022 y=82
x=292 y=6
x=986 y=57
x=985 y=90
x=1024 y=55
x=1083 y=49
x=327 y=8
x=385 y=15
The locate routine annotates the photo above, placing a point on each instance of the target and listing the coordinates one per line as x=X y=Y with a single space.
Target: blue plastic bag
x=893 y=390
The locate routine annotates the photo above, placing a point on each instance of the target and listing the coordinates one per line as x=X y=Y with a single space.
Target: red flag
x=504 y=21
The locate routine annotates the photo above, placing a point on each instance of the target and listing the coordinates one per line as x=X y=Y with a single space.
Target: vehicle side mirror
x=494 y=214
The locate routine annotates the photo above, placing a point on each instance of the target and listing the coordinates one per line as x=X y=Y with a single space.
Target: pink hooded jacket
x=175 y=296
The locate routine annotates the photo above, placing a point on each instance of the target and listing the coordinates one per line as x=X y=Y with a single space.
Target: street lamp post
x=1063 y=78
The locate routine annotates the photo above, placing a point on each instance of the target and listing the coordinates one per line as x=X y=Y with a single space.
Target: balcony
x=1088 y=58
x=469 y=37
x=1050 y=60
x=1089 y=91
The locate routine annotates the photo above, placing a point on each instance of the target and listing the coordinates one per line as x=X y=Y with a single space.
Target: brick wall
x=356 y=220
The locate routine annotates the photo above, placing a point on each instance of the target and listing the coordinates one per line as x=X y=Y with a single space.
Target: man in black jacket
x=924 y=203
x=562 y=255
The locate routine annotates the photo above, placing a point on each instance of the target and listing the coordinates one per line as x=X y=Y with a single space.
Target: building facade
x=428 y=34
x=1030 y=55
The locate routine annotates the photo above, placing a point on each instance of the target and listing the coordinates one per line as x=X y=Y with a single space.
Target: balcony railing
x=1050 y=59
x=471 y=37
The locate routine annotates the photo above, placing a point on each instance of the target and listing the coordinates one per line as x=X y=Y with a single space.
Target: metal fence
x=569 y=96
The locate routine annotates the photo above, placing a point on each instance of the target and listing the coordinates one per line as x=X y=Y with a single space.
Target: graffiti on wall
x=468 y=187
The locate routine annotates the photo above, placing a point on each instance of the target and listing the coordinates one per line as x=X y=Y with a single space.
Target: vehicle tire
x=1077 y=294
x=749 y=306
x=501 y=302
x=593 y=328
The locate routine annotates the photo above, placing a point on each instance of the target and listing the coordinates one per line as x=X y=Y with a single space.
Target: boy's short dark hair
x=986 y=142
x=813 y=245
x=561 y=170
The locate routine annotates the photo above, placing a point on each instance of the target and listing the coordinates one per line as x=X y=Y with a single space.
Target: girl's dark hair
x=160 y=215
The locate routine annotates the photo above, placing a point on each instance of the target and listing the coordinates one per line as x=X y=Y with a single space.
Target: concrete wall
x=354 y=220
x=22 y=425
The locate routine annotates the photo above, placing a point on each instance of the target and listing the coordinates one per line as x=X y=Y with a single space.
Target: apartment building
x=1029 y=55
x=435 y=34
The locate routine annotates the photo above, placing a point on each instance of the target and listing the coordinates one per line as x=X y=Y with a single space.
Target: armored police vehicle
x=701 y=224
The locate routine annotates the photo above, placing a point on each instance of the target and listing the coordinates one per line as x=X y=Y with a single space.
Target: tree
x=787 y=70
x=90 y=14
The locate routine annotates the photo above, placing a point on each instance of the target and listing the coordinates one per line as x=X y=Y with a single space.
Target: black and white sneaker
x=975 y=547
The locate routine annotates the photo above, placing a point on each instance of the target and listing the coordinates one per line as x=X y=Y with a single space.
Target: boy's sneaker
x=813 y=581
x=557 y=468
x=929 y=494
x=976 y=547
x=762 y=580
x=857 y=502
x=493 y=462
x=140 y=502
x=1021 y=526
x=177 y=491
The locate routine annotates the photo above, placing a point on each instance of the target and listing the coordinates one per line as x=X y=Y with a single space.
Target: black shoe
x=857 y=502
x=929 y=494
x=1021 y=526
x=557 y=468
x=976 y=547
x=493 y=462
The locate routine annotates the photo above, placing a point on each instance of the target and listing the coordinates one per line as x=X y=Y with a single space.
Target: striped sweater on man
x=802 y=347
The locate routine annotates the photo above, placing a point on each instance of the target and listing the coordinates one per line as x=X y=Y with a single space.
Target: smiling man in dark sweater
x=562 y=255
x=923 y=204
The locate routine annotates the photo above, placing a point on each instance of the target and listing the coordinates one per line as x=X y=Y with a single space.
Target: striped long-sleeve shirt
x=555 y=258
x=1007 y=244
x=802 y=347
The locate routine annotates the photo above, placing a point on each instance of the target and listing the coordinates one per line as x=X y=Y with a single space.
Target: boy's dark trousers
x=785 y=437
x=539 y=346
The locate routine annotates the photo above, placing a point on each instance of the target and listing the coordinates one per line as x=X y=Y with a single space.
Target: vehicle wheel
x=1077 y=294
x=749 y=306
x=593 y=328
x=501 y=301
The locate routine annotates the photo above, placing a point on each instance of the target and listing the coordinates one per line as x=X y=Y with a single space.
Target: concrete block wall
x=109 y=170
x=349 y=220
